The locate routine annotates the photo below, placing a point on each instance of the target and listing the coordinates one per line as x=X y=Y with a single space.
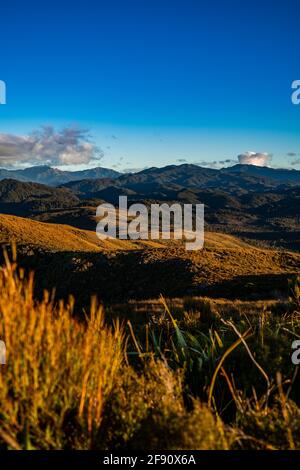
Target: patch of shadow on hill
x=113 y=277
x=287 y=240
x=251 y=287
x=120 y=276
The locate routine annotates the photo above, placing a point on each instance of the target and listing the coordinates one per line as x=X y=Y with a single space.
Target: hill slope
x=58 y=238
x=74 y=260
x=26 y=198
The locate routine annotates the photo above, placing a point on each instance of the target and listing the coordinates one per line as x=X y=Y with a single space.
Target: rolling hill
x=74 y=261
x=59 y=238
x=255 y=202
x=27 y=198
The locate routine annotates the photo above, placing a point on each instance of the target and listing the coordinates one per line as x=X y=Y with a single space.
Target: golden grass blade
x=226 y=353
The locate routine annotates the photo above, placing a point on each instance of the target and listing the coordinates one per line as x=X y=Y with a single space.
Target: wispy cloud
x=217 y=164
x=228 y=161
x=46 y=146
x=208 y=164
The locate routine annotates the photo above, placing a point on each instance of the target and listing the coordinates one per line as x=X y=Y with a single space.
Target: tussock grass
x=55 y=365
x=209 y=377
x=66 y=384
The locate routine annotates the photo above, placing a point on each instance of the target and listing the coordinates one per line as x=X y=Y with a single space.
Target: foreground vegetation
x=197 y=377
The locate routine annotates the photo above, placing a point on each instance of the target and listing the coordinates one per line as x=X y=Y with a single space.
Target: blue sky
x=154 y=81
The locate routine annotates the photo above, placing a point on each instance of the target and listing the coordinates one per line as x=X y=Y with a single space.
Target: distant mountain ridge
x=53 y=177
x=186 y=175
x=189 y=175
x=165 y=183
x=278 y=174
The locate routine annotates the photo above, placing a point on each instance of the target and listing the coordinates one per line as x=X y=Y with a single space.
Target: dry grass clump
x=148 y=411
x=54 y=366
x=68 y=385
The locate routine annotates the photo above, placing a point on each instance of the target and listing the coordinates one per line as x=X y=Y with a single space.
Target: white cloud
x=46 y=146
x=254 y=158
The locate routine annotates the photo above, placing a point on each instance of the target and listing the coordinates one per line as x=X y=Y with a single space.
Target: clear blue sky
x=156 y=81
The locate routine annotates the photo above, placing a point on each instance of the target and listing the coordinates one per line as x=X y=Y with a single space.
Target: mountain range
x=167 y=182
x=187 y=175
x=257 y=203
x=53 y=177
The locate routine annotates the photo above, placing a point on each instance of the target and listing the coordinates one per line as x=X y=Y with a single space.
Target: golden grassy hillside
x=60 y=237
x=144 y=269
x=56 y=237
